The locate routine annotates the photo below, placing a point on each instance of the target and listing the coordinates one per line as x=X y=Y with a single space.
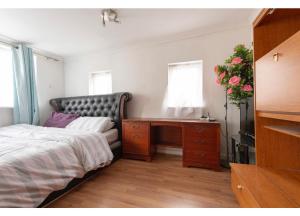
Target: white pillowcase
x=93 y=124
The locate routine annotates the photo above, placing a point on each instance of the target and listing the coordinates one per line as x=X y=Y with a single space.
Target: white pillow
x=93 y=124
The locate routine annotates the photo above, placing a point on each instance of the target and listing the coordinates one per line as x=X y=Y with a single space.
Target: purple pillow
x=60 y=120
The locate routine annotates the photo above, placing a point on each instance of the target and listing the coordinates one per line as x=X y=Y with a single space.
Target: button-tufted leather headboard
x=111 y=105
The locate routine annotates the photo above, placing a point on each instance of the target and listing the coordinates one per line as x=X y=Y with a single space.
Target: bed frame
x=110 y=105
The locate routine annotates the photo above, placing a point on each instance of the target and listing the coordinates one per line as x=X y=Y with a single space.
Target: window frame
x=8 y=48
x=201 y=102
x=91 y=83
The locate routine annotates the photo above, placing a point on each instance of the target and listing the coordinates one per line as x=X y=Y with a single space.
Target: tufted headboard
x=111 y=105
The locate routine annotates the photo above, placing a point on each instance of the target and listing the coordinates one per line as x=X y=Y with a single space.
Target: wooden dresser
x=275 y=180
x=199 y=140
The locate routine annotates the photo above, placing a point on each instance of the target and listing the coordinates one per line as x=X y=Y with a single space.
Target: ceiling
x=68 y=32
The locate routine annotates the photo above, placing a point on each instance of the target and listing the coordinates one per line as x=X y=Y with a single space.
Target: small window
x=100 y=83
x=6 y=77
x=185 y=84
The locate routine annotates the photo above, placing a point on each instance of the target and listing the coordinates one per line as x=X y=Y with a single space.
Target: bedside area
x=199 y=140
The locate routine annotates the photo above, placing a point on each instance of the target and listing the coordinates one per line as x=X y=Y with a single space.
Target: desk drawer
x=243 y=195
x=133 y=127
x=201 y=138
x=136 y=138
x=201 y=144
x=201 y=131
x=200 y=157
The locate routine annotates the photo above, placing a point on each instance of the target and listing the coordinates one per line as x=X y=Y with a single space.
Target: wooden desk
x=200 y=140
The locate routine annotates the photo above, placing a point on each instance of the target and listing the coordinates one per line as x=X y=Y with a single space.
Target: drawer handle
x=275 y=57
x=239 y=187
x=136 y=136
x=135 y=126
x=202 y=154
x=200 y=129
x=200 y=142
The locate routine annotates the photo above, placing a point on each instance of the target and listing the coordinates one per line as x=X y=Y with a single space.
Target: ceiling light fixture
x=109 y=15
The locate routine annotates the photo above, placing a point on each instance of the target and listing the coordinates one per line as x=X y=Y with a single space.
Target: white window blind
x=100 y=83
x=185 y=84
x=6 y=77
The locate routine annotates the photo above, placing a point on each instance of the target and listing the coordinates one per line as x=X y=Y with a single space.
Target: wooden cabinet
x=200 y=140
x=136 y=140
x=275 y=179
x=278 y=77
x=201 y=145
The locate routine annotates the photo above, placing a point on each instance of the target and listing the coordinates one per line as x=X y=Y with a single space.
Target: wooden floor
x=161 y=183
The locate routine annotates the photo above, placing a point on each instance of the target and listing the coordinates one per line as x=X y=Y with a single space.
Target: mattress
x=35 y=161
x=111 y=135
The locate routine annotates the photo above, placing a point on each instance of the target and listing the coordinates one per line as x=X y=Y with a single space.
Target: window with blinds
x=185 y=82
x=100 y=83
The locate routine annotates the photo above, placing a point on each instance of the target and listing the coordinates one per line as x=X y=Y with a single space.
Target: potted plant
x=236 y=76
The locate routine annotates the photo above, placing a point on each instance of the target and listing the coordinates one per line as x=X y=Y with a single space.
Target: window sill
x=6 y=107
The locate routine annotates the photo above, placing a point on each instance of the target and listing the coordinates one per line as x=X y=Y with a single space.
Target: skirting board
x=169 y=150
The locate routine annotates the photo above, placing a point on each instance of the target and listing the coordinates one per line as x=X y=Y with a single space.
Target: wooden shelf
x=289 y=130
x=280 y=116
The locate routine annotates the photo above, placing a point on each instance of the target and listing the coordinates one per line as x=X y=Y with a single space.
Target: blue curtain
x=26 y=109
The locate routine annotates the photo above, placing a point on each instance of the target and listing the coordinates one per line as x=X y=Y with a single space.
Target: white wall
x=50 y=84
x=142 y=70
x=6 y=116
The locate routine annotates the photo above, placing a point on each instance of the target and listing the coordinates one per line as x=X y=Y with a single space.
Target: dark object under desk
x=243 y=149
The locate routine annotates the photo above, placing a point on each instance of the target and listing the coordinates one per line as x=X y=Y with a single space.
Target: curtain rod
x=9 y=44
x=35 y=52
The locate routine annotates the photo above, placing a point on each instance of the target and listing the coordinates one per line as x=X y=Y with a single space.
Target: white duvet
x=34 y=161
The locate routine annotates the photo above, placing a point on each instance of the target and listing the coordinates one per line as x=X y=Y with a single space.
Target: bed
x=39 y=164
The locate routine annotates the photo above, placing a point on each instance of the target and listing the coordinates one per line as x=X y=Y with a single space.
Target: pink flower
x=235 y=80
x=229 y=91
x=236 y=60
x=217 y=81
x=216 y=69
x=247 y=88
x=222 y=75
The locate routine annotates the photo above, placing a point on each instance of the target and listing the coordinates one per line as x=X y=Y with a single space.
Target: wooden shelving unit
x=275 y=179
x=289 y=130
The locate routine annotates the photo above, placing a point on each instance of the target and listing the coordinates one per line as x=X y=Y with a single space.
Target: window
x=185 y=84
x=100 y=83
x=6 y=77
